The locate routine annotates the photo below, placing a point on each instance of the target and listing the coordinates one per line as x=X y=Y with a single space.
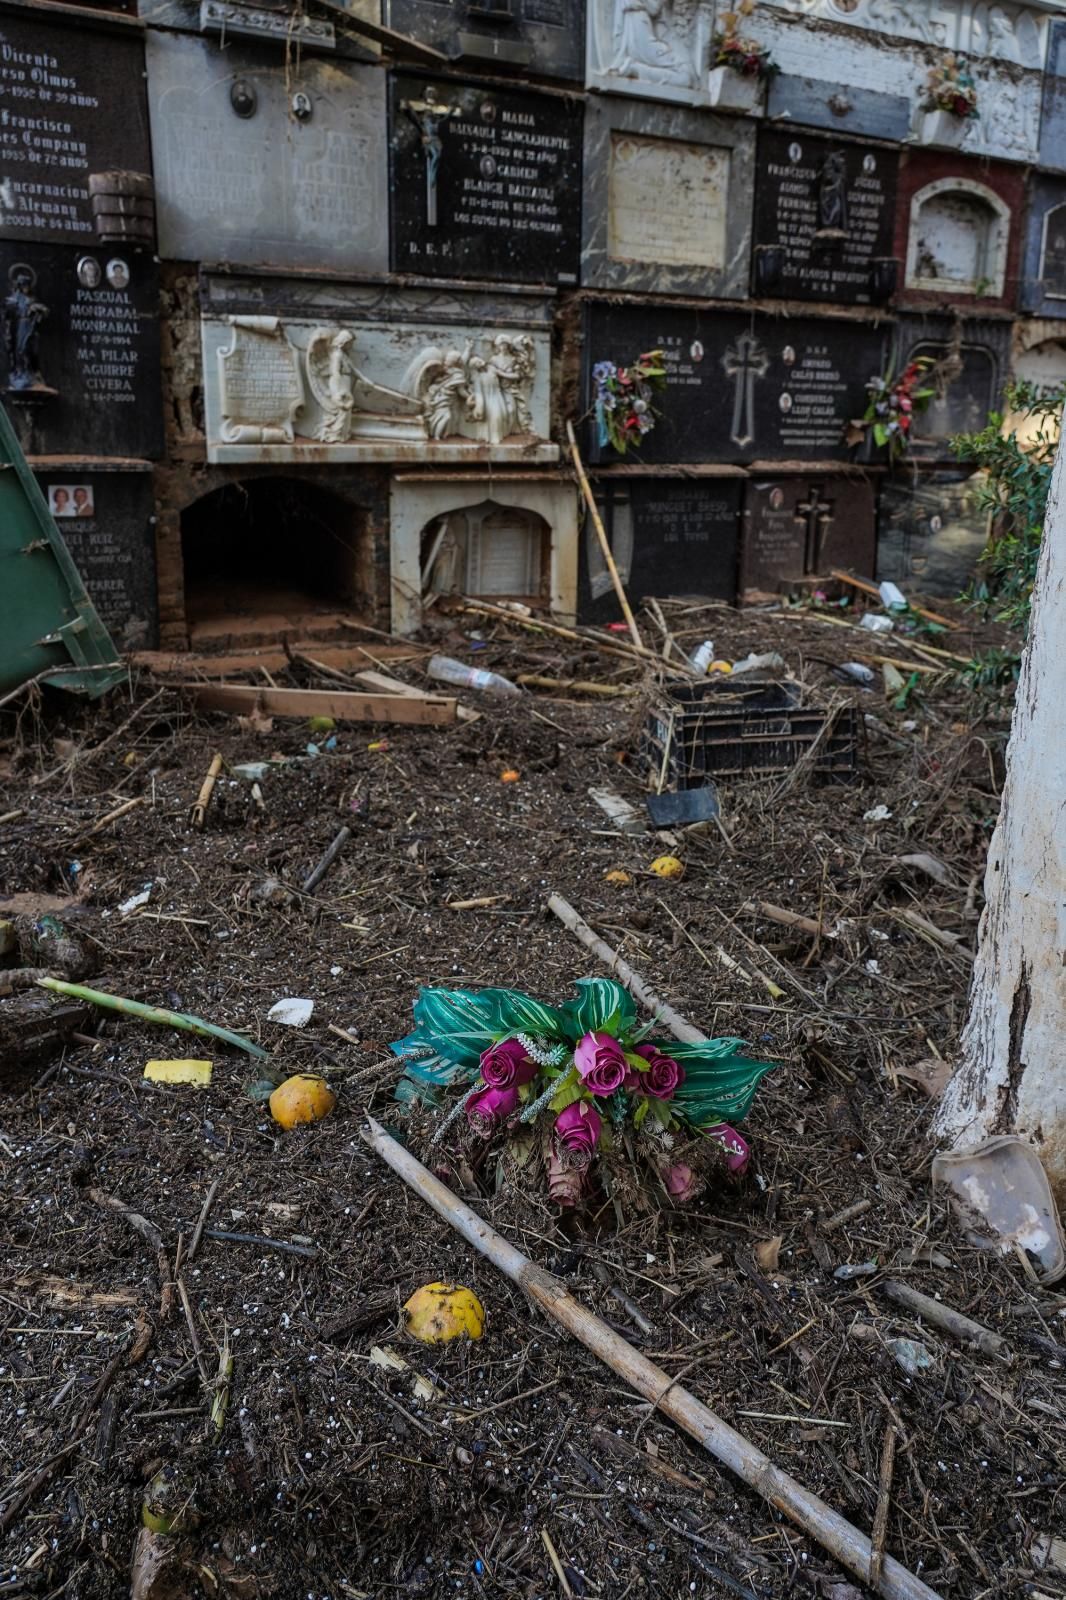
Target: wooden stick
x=624 y=972
x=601 y=534
x=198 y=814
x=578 y=685
x=318 y=872
x=787 y=919
x=615 y=646
x=844 y=1542
x=205 y=1212
x=947 y=1318
x=884 y=1495
x=340 y=704
x=113 y=816
x=871 y=588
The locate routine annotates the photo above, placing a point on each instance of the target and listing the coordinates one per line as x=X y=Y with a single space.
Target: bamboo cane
x=198 y=813
x=601 y=534
x=833 y=1532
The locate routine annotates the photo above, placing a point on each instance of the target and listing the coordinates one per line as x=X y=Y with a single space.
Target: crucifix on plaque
x=745 y=361
x=815 y=515
x=429 y=116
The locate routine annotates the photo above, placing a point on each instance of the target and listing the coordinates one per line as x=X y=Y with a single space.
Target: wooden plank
x=340 y=704
x=166 y=663
x=390 y=685
x=872 y=589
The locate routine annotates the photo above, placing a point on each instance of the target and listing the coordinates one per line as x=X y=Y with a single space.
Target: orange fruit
x=510 y=776
x=303 y=1098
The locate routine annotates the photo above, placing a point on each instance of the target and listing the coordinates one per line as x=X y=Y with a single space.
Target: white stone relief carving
x=1008 y=33
x=259 y=382
x=331 y=376
x=658 y=48
x=483 y=396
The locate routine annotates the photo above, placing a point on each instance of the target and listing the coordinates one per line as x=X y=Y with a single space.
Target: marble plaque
x=1012 y=34
x=819 y=103
x=740 y=387
x=289 y=389
x=237 y=18
x=72 y=104
x=1043 y=291
x=667 y=199
x=669 y=536
x=657 y=49
x=541 y=36
x=796 y=528
x=263 y=160
x=825 y=219
x=974 y=361
x=88 y=324
x=931 y=531
x=107 y=520
x=486 y=182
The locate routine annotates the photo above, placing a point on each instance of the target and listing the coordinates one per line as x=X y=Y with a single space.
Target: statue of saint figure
x=332 y=376
x=23 y=316
x=833 y=198
x=642 y=29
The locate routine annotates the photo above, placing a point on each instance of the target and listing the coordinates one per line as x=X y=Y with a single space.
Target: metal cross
x=429 y=116
x=745 y=361
x=816 y=514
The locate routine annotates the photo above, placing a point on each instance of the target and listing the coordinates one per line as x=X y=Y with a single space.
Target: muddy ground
x=330 y=1476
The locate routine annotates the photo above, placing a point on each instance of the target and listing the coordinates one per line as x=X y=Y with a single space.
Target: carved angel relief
x=662 y=42
x=485 y=397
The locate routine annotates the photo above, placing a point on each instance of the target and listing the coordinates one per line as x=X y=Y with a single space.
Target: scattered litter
x=768 y=1253
x=422 y=1389
x=769 y=662
x=136 y=901
x=891 y=597
x=335 y=971
x=196 y=1073
x=255 y=771
x=855 y=672
x=626 y=818
x=270 y=892
x=667 y=867
x=932 y=1075
x=912 y=1356
x=440 y=1312
x=874 y=623
x=1001 y=1186
x=446 y=670
x=859 y=1269
x=873 y=968
x=877 y=814
x=301 y=1098
x=292 y=1012
x=893 y=679
x=681 y=808
x=928 y=864
x=702 y=658
x=1048 y=1553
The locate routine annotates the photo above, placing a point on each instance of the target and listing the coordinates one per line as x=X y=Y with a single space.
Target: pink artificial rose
x=680 y=1182
x=566 y=1183
x=490 y=1107
x=601 y=1063
x=737 y=1150
x=577 y=1129
x=664 y=1075
x=507 y=1066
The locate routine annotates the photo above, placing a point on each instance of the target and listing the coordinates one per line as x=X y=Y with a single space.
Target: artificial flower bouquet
x=893 y=405
x=597 y=1087
x=733 y=49
x=950 y=87
x=624 y=399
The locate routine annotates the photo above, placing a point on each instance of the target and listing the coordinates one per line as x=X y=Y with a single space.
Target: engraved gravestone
x=825 y=217
x=971 y=362
x=931 y=531
x=543 y=36
x=95 y=338
x=668 y=536
x=486 y=182
x=107 y=520
x=667 y=199
x=1053 y=110
x=72 y=104
x=259 y=158
x=796 y=528
x=739 y=387
x=1044 y=271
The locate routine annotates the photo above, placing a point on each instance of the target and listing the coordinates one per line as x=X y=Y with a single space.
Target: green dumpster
x=49 y=629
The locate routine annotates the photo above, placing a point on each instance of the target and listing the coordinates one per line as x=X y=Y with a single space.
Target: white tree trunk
x=1012 y=1075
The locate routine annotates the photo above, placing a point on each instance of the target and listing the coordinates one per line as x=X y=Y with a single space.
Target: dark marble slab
x=966 y=396
x=1043 y=288
x=801 y=527
x=931 y=531
x=107 y=520
x=546 y=37
x=669 y=536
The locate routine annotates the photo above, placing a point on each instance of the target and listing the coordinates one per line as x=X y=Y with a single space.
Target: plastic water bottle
x=447 y=670
x=704 y=656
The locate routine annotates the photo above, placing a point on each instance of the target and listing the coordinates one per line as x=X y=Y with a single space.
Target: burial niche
x=487 y=549
x=958 y=239
x=270 y=547
x=1053 y=253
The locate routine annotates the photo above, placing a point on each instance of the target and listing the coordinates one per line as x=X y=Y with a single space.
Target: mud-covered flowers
x=622 y=399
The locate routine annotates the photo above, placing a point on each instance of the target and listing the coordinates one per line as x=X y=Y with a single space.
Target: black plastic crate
x=717 y=729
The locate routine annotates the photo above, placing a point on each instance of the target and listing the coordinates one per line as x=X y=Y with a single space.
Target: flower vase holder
x=943 y=129
x=730 y=90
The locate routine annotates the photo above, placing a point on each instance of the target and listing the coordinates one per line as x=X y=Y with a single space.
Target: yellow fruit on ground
x=617 y=876
x=510 y=776
x=303 y=1098
x=439 y=1312
x=667 y=867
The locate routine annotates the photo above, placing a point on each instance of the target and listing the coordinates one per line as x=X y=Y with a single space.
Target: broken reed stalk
x=833 y=1532
x=318 y=872
x=947 y=1318
x=159 y=1014
x=198 y=814
x=601 y=534
x=633 y=981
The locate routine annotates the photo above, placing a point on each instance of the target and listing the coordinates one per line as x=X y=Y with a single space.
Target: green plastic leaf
x=602 y=1006
x=719 y=1084
x=568 y=1095
x=514 y=1012
x=409 y=1093
x=641 y=1113
x=459 y=1023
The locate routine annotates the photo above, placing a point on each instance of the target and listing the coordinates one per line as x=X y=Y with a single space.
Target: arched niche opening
x=494 y=550
x=959 y=232
x=268 y=553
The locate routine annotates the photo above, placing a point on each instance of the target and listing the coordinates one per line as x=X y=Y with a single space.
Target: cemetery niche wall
x=1052 y=151
x=971 y=361
x=263 y=159
x=796 y=528
x=485 y=182
x=336 y=373
x=1043 y=291
x=667 y=199
x=931 y=530
x=74 y=117
x=658 y=51
x=956 y=232
x=741 y=386
x=107 y=519
x=825 y=219
x=668 y=536
x=544 y=37
x=80 y=360
x=1039 y=361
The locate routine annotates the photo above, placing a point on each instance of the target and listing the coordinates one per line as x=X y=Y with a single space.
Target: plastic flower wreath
x=950 y=87
x=745 y=55
x=598 y=1087
x=623 y=399
x=894 y=403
